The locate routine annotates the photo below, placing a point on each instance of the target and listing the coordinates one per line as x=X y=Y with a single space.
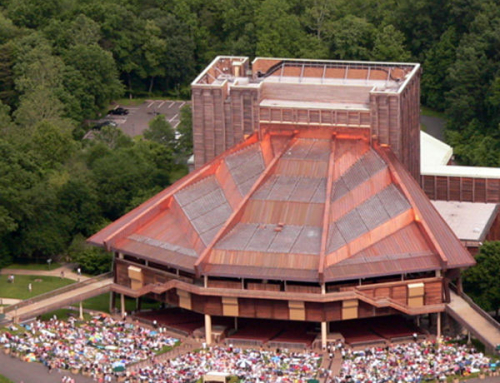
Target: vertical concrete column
x=236 y=323
x=323 y=335
x=208 y=329
x=122 y=304
x=81 y=310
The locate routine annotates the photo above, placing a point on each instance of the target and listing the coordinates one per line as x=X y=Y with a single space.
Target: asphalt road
x=434 y=125
x=24 y=372
x=139 y=116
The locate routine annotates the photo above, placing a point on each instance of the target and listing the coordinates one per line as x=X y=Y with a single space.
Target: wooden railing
x=478 y=309
x=53 y=293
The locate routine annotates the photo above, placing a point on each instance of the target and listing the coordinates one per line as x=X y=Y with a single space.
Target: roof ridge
x=243 y=149
x=197 y=182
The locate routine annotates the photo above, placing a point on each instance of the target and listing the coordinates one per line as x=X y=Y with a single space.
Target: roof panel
x=393 y=200
x=300 y=149
x=372 y=212
x=204 y=204
x=285 y=239
x=245 y=167
x=262 y=238
x=283 y=188
x=351 y=226
x=335 y=239
x=320 y=192
x=456 y=254
x=309 y=241
x=196 y=191
x=306 y=188
x=238 y=238
x=212 y=219
x=372 y=162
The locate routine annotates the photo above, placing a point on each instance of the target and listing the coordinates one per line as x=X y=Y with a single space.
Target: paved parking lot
x=139 y=116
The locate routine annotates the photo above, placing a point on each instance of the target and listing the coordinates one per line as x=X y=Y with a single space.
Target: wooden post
x=460 y=290
x=112 y=302
x=122 y=304
x=138 y=304
x=438 y=331
x=323 y=335
x=208 y=329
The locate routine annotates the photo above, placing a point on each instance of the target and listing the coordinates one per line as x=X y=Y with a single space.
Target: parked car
x=99 y=125
x=119 y=111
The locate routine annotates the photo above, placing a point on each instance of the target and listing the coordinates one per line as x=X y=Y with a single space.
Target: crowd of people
x=249 y=365
x=413 y=362
x=104 y=347
x=98 y=348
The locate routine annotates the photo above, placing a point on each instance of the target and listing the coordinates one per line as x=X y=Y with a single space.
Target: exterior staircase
x=474 y=319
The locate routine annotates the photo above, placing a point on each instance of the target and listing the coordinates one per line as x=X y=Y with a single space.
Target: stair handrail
x=475 y=306
x=58 y=291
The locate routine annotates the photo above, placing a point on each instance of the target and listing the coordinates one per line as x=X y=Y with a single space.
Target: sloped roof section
x=292 y=207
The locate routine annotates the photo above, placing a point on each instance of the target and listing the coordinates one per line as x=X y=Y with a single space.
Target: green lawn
x=101 y=303
x=40 y=285
x=33 y=266
x=3 y=379
x=64 y=314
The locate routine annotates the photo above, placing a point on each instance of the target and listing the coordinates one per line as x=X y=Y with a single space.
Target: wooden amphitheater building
x=304 y=205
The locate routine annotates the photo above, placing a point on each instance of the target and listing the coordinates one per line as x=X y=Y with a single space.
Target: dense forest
x=63 y=61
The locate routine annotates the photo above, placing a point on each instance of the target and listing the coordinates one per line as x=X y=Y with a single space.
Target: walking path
x=67 y=268
x=470 y=318
x=19 y=371
x=63 y=299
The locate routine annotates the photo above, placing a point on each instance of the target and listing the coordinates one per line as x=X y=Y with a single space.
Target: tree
x=389 y=45
x=279 y=33
x=98 y=70
x=481 y=282
x=52 y=143
x=185 y=129
x=93 y=260
x=8 y=94
x=351 y=38
x=123 y=174
x=439 y=59
x=38 y=105
x=33 y=13
x=160 y=131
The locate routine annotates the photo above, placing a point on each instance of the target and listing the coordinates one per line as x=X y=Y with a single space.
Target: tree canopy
x=62 y=62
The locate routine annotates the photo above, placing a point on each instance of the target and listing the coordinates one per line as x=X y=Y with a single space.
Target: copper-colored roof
x=292 y=207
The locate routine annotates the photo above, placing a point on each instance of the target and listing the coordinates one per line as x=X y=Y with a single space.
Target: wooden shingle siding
x=463 y=189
